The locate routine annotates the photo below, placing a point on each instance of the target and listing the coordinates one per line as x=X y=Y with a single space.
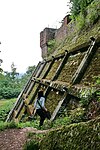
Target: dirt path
x=14 y=139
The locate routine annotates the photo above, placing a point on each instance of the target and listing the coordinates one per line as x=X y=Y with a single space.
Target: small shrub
x=58 y=122
x=85 y=95
x=2 y=125
x=33 y=124
x=51 y=45
x=78 y=115
x=31 y=145
x=7 y=125
x=11 y=125
x=93 y=12
x=80 y=22
x=6 y=106
x=97 y=80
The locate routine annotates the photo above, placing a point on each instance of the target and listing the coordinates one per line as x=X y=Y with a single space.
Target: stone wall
x=61 y=33
x=50 y=34
x=46 y=35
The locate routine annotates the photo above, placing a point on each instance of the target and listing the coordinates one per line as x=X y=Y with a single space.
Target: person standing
x=39 y=105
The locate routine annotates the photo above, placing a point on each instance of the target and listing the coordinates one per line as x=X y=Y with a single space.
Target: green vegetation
x=88 y=17
x=6 y=125
x=53 y=69
x=81 y=28
x=89 y=78
x=5 y=107
x=51 y=45
x=33 y=143
x=11 y=83
x=52 y=100
x=75 y=136
x=9 y=89
x=1 y=70
x=70 y=67
x=84 y=135
x=33 y=123
x=79 y=6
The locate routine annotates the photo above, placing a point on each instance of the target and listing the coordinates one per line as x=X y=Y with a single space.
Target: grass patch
x=33 y=141
x=5 y=107
x=31 y=145
x=7 y=125
x=33 y=124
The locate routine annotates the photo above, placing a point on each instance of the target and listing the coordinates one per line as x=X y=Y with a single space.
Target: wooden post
x=59 y=106
x=33 y=74
x=52 y=61
x=34 y=95
x=19 y=109
x=64 y=60
x=41 y=69
x=30 y=88
x=84 y=63
x=32 y=83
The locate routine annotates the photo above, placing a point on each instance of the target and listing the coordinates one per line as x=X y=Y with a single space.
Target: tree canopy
x=11 y=83
x=79 y=6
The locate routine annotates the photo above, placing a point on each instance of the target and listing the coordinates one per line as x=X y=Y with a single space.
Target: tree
x=13 y=71
x=11 y=83
x=30 y=69
x=1 y=61
x=79 y=6
x=1 y=70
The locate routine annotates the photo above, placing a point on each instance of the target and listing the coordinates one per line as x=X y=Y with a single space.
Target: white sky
x=21 y=22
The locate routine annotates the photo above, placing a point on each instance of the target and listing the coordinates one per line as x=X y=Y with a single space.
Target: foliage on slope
x=76 y=136
x=79 y=6
x=80 y=29
x=85 y=136
x=5 y=107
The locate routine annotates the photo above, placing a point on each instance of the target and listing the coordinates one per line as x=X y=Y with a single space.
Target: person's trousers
x=41 y=113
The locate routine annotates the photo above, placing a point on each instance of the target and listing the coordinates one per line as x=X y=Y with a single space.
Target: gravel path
x=14 y=139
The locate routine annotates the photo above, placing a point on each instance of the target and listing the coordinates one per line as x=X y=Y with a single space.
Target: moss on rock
x=93 y=69
x=53 y=69
x=84 y=136
x=52 y=100
x=70 y=67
